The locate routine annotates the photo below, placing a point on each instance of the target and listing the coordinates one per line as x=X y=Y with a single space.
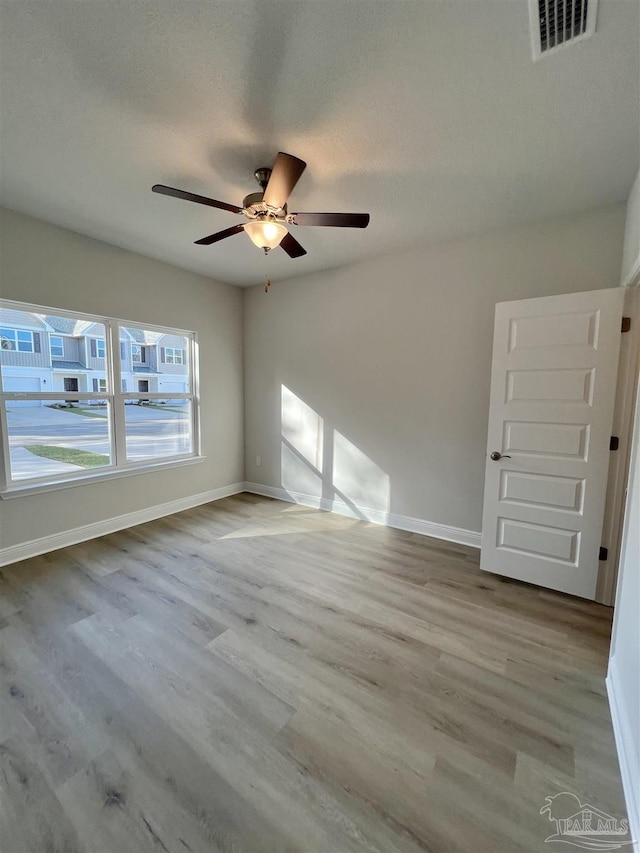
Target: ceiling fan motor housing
x=255 y=206
x=253 y=200
x=253 y=203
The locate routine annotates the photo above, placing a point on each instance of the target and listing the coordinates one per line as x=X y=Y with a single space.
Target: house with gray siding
x=50 y=353
x=24 y=352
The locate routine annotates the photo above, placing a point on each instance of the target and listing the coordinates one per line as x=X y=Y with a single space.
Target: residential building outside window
x=64 y=418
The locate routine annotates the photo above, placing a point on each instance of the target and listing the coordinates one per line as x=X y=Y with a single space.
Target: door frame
x=627 y=388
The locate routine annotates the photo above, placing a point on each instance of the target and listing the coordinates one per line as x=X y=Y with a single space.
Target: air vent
x=558 y=23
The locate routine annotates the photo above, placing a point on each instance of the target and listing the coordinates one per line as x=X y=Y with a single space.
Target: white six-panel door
x=553 y=384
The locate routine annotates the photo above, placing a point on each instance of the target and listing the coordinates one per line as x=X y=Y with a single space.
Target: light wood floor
x=257 y=676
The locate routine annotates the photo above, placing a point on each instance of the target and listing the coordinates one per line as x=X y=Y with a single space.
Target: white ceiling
x=430 y=115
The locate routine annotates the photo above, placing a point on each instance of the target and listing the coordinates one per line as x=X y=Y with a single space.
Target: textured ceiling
x=430 y=115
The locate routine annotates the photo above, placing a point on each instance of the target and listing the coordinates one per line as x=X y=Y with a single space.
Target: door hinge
x=614 y=443
x=626 y=324
x=604 y=553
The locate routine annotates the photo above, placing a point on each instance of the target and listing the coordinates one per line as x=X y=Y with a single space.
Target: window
x=57 y=347
x=64 y=428
x=172 y=355
x=97 y=348
x=17 y=340
x=172 y=408
x=138 y=354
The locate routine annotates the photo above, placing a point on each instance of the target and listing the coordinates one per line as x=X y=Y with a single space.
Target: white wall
x=46 y=265
x=623 y=680
x=395 y=355
x=631 y=251
x=624 y=664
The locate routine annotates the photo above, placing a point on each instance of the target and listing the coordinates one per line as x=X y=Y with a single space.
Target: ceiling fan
x=266 y=211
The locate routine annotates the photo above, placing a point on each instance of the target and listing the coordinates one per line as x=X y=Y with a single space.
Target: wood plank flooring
x=258 y=676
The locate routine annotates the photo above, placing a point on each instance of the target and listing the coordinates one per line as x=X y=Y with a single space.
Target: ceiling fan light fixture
x=265 y=234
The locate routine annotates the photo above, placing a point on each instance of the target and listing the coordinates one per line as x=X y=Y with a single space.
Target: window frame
x=16 y=339
x=173 y=351
x=115 y=328
x=143 y=352
x=101 y=345
x=51 y=345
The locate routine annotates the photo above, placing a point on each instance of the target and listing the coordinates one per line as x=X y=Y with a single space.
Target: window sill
x=54 y=485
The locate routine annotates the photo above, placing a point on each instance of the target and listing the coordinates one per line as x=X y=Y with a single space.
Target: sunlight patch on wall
x=302 y=437
x=357 y=477
x=321 y=463
x=302 y=428
x=298 y=475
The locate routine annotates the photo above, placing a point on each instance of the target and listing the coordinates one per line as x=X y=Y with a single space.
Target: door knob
x=496 y=456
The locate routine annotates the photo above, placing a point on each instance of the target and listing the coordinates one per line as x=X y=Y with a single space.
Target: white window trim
x=143 y=350
x=120 y=467
x=15 y=331
x=58 y=338
x=173 y=351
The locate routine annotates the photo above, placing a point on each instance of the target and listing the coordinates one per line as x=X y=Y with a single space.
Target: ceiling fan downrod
x=262 y=176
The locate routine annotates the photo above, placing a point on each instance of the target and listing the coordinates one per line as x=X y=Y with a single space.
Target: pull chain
x=267 y=279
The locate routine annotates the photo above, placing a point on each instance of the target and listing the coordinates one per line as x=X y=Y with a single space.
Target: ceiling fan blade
x=338 y=220
x=220 y=235
x=292 y=247
x=199 y=199
x=284 y=176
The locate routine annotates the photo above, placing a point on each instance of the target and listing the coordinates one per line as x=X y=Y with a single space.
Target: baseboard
x=44 y=544
x=376 y=516
x=627 y=755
